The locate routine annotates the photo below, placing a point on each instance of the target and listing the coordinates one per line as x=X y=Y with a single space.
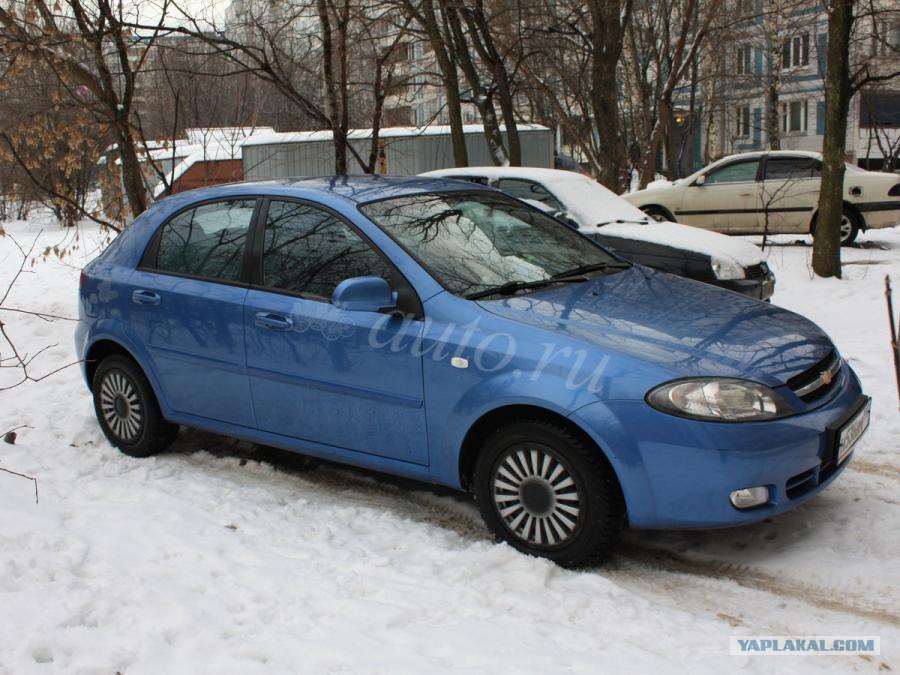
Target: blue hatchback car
x=445 y=332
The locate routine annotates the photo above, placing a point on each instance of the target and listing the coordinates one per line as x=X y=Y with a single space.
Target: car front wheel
x=548 y=493
x=127 y=409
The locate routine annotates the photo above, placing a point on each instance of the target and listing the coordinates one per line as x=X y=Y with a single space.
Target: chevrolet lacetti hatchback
x=449 y=333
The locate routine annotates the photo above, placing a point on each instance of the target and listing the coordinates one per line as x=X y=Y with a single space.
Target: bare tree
x=842 y=80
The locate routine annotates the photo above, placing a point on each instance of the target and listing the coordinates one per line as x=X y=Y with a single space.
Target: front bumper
x=679 y=473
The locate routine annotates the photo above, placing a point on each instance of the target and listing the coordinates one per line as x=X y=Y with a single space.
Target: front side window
x=207 y=241
x=310 y=251
x=737 y=172
x=474 y=242
x=528 y=189
x=793 y=168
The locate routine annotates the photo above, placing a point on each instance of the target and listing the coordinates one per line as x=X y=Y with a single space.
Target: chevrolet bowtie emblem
x=826 y=376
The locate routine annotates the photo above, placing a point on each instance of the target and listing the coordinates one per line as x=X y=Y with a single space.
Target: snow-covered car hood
x=713 y=244
x=688 y=328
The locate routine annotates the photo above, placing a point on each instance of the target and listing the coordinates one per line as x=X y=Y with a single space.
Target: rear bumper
x=679 y=473
x=880 y=214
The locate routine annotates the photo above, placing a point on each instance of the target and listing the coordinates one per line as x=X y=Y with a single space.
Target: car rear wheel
x=658 y=213
x=548 y=493
x=127 y=409
x=849 y=228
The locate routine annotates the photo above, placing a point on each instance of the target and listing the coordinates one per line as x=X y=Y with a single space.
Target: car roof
x=356 y=189
x=771 y=153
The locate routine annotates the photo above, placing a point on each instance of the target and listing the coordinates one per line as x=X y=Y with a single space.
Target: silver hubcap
x=121 y=406
x=536 y=497
x=846 y=228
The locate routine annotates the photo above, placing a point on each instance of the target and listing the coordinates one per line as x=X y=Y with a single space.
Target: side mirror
x=701 y=180
x=364 y=294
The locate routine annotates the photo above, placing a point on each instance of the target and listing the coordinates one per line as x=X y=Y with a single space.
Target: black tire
x=658 y=213
x=127 y=409
x=850 y=226
x=568 y=538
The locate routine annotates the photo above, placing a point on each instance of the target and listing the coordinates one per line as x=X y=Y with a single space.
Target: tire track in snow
x=463 y=519
x=875 y=469
x=632 y=565
x=831 y=599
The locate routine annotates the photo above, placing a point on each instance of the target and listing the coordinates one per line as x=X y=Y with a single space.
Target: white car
x=775 y=192
x=607 y=218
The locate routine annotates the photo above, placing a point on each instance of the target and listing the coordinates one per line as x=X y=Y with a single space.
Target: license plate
x=852 y=431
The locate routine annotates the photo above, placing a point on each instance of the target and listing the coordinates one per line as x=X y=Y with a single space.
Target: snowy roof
x=202 y=145
x=386 y=132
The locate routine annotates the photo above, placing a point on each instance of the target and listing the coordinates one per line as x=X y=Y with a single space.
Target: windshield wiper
x=645 y=221
x=595 y=267
x=511 y=287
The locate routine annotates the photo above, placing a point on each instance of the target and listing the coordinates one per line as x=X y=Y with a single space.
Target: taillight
x=81 y=279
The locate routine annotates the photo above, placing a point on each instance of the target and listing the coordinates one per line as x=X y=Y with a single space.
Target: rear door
x=790 y=193
x=728 y=201
x=185 y=303
x=348 y=379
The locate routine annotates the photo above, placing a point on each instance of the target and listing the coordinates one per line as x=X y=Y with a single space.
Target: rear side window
x=207 y=241
x=792 y=168
x=527 y=189
x=310 y=251
x=737 y=172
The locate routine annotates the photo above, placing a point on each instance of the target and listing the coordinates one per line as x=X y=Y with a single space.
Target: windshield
x=474 y=242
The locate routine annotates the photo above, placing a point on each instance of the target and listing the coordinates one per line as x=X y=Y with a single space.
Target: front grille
x=817 y=381
x=759 y=271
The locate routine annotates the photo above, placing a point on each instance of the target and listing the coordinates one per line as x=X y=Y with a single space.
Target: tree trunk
x=132 y=177
x=425 y=14
x=826 y=245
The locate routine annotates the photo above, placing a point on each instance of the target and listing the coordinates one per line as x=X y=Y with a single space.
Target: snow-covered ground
x=207 y=559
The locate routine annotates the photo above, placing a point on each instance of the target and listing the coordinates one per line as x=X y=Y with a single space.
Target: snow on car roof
x=589 y=203
x=586 y=200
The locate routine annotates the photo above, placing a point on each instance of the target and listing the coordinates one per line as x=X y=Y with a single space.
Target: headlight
x=727 y=269
x=719 y=398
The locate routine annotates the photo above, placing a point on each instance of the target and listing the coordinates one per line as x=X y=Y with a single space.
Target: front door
x=186 y=304
x=728 y=201
x=324 y=374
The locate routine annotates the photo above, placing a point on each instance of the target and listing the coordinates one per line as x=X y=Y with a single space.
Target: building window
x=795 y=51
x=879 y=110
x=886 y=38
x=742 y=117
x=744 y=58
x=793 y=117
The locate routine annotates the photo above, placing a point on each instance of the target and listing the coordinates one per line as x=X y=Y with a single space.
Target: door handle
x=142 y=297
x=273 y=321
x=745 y=194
